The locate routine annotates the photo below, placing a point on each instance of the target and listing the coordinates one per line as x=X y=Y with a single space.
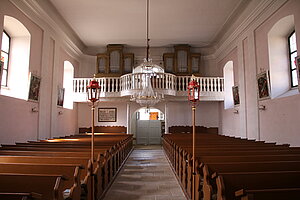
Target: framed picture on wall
x=236 y=95
x=34 y=87
x=297 y=62
x=60 y=96
x=107 y=114
x=263 y=85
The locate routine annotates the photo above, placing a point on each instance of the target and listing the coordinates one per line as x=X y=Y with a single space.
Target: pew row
x=111 y=152
x=215 y=154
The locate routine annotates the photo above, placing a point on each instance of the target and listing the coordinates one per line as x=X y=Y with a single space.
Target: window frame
x=290 y=56
x=8 y=55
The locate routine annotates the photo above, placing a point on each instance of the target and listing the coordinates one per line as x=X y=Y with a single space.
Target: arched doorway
x=149 y=126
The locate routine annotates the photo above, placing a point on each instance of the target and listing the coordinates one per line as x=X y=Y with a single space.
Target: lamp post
x=93 y=93
x=193 y=96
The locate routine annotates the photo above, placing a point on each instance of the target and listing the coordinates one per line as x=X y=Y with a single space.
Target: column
x=128 y=119
x=166 y=118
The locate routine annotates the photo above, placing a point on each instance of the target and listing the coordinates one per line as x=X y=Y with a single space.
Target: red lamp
x=93 y=90
x=193 y=91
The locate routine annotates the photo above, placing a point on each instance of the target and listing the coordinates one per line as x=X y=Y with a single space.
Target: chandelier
x=147 y=97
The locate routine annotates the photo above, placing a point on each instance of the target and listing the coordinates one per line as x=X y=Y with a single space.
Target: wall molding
x=258 y=16
x=35 y=12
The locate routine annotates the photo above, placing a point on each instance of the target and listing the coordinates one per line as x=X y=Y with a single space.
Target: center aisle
x=146 y=175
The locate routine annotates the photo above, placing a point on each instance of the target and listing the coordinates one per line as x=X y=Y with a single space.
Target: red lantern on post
x=93 y=94
x=194 y=97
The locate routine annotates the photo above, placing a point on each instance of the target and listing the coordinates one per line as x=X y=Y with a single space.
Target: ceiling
x=194 y=22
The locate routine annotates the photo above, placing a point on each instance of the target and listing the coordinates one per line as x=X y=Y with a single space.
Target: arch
x=149 y=135
x=228 y=83
x=278 y=55
x=18 y=71
x=68 y=84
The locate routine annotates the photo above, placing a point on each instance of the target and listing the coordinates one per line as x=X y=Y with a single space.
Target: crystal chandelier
x=147 y=97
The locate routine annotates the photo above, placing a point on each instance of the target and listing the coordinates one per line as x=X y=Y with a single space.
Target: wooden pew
x=188 y=129
x=49 y=186
x=109 y=161
x=110 y=150
x=223 y=149
x=210 y=170
x=104 y=129
x=85 y=176
x=185 y=171
x=263 y=194
x=255 y=181
x=70 y=172
x=20 y=196
x=101 y=169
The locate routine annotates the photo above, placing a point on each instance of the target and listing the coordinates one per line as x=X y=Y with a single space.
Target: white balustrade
x=165 y=83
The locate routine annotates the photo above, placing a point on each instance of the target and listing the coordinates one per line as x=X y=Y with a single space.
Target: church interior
x=146 y=99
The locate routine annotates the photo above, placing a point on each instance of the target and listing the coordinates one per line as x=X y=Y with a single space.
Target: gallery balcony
x=171 y=86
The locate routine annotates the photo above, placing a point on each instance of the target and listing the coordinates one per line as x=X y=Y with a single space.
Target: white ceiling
x=102 y=22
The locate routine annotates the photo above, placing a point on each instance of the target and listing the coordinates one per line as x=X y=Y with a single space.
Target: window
x=5 y=56
x=228 y=83
x=292 y=56
x=15 y=41
x=279 y=59
x=68 y=84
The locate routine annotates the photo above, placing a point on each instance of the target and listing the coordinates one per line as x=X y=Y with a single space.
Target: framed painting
x=34 y=87
x=236 y=95
x=107 y=114
x=60 y=96
x=263 y=85
x=297 y=62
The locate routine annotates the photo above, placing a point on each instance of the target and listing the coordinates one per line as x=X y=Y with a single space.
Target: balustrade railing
x=161 y=81
x=165 y=82
x=207 y=84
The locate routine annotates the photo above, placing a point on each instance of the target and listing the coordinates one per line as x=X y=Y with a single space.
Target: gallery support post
x=193 y=97
x=93 y=94
x=194 y=141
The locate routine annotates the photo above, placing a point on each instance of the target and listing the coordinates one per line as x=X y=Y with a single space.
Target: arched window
x=293 y=55
x=5 y=57
x=279 y=59
x=68 y=84
x=16 y=80
x=228 y=83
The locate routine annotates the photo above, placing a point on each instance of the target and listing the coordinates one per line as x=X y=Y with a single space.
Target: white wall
x=278 y=122
x=84 y=116
x=48 y=51
x=180 y=114
x=17 y=122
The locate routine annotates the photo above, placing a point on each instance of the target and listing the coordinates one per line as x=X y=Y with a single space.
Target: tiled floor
x=146 y=175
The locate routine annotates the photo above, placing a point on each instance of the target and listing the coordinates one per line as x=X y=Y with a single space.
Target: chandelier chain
x=146 y=96
x=147 y=34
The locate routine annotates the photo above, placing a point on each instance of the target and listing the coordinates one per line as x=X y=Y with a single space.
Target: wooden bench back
x=189 y=129
x=42 y=160
x=255 y=180
x=70 y=171
x=20 y=196
x=49 y=186
x=104 y=129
